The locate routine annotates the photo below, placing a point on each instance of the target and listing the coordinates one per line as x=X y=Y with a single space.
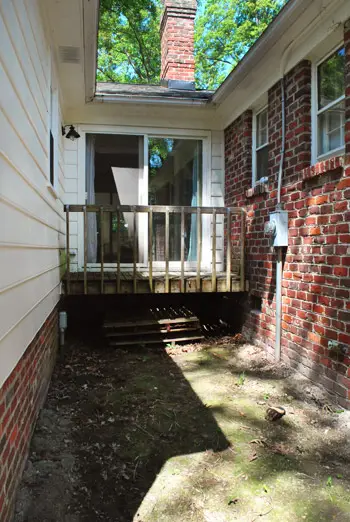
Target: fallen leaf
x=261 y=442
x=281 y=449
x=253 y=457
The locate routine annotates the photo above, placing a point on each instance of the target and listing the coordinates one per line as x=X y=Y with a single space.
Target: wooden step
x=152 y=332
x=150 y=322
x=156 y=341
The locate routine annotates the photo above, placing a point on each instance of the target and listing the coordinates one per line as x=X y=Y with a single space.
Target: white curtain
x=90 y=189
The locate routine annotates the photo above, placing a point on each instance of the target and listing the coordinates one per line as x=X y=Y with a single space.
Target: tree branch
x=106 y=74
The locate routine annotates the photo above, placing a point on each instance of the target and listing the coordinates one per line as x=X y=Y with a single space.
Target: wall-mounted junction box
x=277 y=228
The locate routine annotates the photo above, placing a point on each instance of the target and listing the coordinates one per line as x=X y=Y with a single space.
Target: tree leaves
x=129 y=39
x=225 y=30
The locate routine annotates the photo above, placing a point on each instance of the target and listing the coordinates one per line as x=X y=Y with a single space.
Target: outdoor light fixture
x=72 y=134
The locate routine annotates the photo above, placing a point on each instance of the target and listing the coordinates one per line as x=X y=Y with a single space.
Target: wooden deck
x=151 y=280
x=127 y=283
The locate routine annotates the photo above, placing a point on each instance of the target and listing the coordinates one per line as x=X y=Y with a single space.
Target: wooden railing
x=233 y=242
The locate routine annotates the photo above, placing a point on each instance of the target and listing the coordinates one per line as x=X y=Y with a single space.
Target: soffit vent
x=69 y=54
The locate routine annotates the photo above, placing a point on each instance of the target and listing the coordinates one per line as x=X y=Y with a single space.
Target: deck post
x=134 y=250
x=85 y=250
x=67 y=250
x=199 y=249
x=150 y=248
x=213 y=266
x=228 y=251
x=118 y=250
x=242 y=267
x=101 y=250
x=167 y=250
x=182 y=287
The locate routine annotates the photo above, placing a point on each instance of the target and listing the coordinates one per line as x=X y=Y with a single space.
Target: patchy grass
x=181 y=436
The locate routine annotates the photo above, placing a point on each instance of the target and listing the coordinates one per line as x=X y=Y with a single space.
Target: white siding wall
x=218 y=191
x=71 y=196
x=74 y=152
x=32 y=224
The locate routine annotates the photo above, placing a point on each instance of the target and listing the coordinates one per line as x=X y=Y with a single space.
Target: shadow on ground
x=129 y=412
x=147 y=436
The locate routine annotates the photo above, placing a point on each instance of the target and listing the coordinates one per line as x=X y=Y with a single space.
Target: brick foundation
x=316 y=282
x=21 y=398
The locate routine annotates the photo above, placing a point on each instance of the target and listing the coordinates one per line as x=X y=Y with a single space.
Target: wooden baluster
x=167 y=250
x=242 y=268
x=213 y=263
x=85 y=250
x=134 y=250
x=183 y=289
x=199 y=249
x=150 y=248
x=102 y=250
x=67 y=250
x=228 y=251
x=118 y=250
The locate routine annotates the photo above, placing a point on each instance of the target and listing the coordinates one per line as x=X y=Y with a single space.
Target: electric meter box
x=278 y=228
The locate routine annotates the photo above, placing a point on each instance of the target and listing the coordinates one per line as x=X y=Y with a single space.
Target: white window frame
x=316 y=112
x=254 y=141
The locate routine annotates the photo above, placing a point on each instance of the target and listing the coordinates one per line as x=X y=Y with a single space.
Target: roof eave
x=91 y=17
x=151 y=100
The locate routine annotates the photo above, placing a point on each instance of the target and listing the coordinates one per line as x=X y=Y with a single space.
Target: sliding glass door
x=142 y=170
x=175 y=178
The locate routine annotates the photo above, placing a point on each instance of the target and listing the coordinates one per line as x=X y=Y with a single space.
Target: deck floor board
x=143 y=282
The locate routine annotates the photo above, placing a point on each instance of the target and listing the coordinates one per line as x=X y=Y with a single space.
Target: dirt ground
x=180 y=435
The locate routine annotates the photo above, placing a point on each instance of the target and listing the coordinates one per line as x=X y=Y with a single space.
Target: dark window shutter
x=52 y=159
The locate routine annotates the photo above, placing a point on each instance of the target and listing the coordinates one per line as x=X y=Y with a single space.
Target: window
x=260 y=146
x=255 y=303
x=331 y=104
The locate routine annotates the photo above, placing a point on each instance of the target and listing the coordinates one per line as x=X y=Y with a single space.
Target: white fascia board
x=91 y=10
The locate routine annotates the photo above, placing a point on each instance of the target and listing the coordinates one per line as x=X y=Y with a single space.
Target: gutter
x=151 y=100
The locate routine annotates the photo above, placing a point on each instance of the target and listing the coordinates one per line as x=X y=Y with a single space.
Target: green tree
x=225 y=30
x=129 y=41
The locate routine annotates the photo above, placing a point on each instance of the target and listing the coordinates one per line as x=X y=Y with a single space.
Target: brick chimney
x=177 y=43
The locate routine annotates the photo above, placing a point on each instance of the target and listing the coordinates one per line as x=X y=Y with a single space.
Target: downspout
x=283 y=144
x=279 y=263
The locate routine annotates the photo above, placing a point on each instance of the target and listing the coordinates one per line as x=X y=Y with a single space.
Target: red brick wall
x=316 y=283
x=21 y=398
x=177 y=40
x=347 y=84
x=297 y=86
